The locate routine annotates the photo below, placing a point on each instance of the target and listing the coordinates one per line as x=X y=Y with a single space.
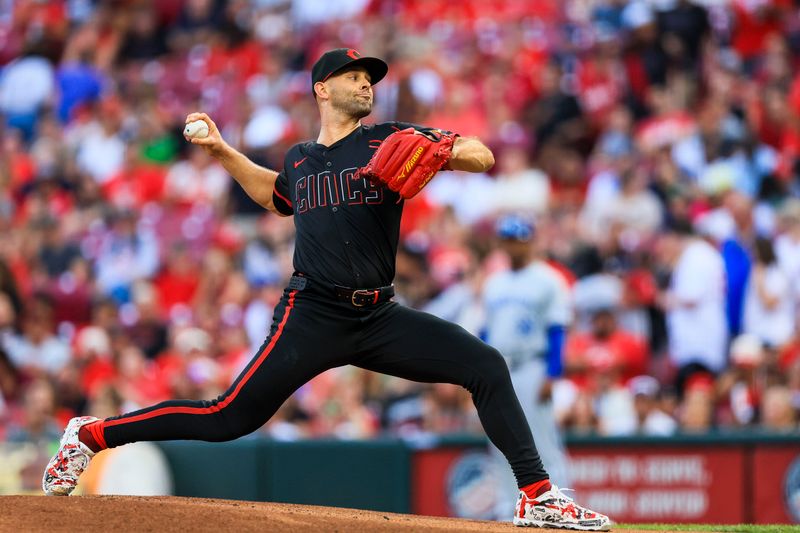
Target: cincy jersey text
x=328 y=188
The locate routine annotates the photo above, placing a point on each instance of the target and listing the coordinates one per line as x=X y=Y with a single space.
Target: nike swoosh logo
x=298 y=163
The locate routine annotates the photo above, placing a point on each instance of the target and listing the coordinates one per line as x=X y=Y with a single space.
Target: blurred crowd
x=653 y=143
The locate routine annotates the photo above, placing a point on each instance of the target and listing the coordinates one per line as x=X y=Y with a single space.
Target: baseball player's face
x=351 y=92
x=603 y=324
x=519 y=252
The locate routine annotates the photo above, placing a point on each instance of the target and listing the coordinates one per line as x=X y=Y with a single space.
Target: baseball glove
x=407 y=160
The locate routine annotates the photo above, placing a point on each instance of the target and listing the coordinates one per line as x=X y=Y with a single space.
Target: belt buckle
x=359 y=292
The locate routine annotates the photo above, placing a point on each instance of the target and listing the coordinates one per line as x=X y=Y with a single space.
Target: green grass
x=740 y=528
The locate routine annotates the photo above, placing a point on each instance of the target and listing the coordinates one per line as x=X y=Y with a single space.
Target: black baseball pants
x=313 y=332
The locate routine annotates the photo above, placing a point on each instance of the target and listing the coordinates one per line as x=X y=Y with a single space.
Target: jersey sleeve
x=280 y=195
x=559 y=309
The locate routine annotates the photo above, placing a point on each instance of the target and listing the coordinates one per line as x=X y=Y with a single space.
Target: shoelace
x=560 y=495
x=565 y=488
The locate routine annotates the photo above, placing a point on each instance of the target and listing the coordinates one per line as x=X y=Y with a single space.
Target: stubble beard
x=352 y=106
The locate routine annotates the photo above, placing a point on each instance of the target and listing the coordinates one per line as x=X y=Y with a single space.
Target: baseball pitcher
x=345 y=191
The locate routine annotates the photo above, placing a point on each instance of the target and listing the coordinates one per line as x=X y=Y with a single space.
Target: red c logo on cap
x=353 y=53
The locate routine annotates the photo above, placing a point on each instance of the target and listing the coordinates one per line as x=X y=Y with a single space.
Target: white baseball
x=196 y=129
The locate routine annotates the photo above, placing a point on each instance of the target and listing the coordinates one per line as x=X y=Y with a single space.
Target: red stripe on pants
x=208 y=410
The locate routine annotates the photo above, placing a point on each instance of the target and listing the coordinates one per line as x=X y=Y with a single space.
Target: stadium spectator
x=787 y=246
x=778 y=411
x=36 y=350
x=694 y=303
x=740 y=388
x=56 y=252
x=126 y=254
x=92 y=355
x=101 y=148
x=27 y=84
x=197 y=181
x=139 y=380
x=769 y=311
x=606 y=356
x=37 y=423
x=651 y=418
x=581 y=417
x=519 y=187
x=143 y=39
x=79 y=80
x=136 y=183
x=696 y=410
x=9 y=387
x=145 y=325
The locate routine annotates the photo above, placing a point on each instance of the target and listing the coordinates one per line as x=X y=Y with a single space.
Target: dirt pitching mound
x=165 y=514
x=117 y=514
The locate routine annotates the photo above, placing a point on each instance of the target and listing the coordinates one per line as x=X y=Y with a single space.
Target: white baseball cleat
x=62 y=472
x=556 y=509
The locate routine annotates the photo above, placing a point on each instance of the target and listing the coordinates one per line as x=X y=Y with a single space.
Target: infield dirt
x=122 y=514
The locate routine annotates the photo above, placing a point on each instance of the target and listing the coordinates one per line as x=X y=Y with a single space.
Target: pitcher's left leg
x=414 y=345
x=421 y=347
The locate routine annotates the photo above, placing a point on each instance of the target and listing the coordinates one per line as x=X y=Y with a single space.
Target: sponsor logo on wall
x=472 y=486
x=791 y=490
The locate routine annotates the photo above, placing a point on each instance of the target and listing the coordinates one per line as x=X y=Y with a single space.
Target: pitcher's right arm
x=258 y=182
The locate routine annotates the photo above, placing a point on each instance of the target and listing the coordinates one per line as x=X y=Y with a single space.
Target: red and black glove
x=408 y=159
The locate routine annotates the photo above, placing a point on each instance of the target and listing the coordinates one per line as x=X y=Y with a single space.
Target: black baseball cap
x=333 y=61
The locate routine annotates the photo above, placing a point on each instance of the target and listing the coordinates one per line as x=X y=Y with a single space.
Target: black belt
x=364 y=297
x=355 y=297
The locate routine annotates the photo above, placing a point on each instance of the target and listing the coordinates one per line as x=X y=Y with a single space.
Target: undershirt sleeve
x=280 y=195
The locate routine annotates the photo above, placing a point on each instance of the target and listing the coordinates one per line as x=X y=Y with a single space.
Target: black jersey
x=347 y=228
